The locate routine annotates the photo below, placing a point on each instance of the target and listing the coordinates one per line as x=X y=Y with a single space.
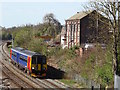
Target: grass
x=72 y=83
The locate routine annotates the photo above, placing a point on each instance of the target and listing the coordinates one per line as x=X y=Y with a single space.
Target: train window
x=34 y=60
x=23 y=58
x=39 y=59
x=14 y=54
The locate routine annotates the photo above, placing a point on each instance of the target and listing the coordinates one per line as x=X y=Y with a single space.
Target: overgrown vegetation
x=95 y=64
x=72 y=83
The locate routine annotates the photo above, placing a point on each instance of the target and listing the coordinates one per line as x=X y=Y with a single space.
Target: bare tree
x=109 y=10
x=48 y=18
x=54 y=26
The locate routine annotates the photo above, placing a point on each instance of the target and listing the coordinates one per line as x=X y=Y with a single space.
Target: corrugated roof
x=80 y=15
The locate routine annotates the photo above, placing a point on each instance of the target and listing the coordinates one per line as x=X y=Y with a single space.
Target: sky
x=21 y=13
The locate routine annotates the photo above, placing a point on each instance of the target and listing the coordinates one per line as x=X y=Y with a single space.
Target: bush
x=37 y=45
x=105 y=74
x=91 y=59
x=22 y=38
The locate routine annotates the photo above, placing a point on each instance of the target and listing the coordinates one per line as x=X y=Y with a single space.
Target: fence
x=87 y=83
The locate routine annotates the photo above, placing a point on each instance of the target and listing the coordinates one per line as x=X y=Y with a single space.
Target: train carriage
x=33 y=63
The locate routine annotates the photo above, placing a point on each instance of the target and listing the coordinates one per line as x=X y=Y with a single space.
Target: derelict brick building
x=84 y=28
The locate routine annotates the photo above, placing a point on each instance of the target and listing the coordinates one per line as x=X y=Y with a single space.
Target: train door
x=44 y=62
x=17 y=59
x=14 y=56
x=40 y=63
x=34 y=63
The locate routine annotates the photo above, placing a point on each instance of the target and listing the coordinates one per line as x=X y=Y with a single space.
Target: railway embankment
x=94 y=68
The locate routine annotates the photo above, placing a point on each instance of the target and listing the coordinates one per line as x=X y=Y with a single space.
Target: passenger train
x=33 y=63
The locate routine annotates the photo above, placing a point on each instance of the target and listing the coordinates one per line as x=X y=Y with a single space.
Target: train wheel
x=18 y=66
x=25 y=71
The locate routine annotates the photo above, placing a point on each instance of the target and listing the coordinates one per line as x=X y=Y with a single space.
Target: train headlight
x=33 y=68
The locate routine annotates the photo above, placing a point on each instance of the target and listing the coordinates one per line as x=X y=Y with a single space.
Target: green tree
x=5 y=35
x=38 y=45
x=22 y=38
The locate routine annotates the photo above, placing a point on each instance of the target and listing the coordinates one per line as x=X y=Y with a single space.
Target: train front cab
x=38 y=66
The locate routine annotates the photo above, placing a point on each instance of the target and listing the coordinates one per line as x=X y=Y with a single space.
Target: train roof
x=25 y=51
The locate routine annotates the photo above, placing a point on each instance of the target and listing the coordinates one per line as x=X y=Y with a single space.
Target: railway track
x=7 y=82
x=36 y=82
x=16 y=78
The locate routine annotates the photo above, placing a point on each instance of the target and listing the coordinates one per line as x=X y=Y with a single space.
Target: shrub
x=91 y=59
x=37 y=45
x=22 y=38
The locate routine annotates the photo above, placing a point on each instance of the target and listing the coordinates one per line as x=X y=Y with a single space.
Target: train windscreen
x=43 y=59
x=39 y=60
x=34 y=60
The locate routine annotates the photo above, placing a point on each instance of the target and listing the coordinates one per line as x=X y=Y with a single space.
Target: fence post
x=92 y=87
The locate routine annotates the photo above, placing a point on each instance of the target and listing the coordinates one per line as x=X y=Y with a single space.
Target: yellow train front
x=38 y=66
x=33 y=63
